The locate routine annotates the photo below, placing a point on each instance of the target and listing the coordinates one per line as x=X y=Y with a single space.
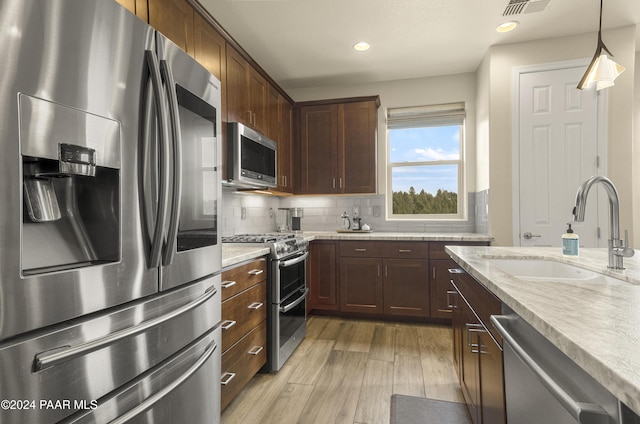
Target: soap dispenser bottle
x=570 y=242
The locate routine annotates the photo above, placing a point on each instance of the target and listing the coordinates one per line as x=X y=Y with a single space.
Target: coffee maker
x=288 y=219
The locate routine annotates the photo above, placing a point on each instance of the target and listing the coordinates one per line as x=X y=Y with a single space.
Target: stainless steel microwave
x=251 y=158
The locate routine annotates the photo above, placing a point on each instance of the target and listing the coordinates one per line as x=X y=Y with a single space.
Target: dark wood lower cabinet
x=477 y=354
x=322 y=276
x=361 y=285
x=406 y=287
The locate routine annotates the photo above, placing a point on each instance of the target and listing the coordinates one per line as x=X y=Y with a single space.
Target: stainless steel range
x=286 y=319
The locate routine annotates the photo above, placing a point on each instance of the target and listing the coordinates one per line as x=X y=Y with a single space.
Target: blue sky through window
x=425 y=145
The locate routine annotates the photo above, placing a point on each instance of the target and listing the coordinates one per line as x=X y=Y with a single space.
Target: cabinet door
x=406 y=287
x=274 y=113
x=258 y=101
x=491 y=381
x=321 y=275
x=361 y=285
x=318 y=149
x=357 y=128
x=209 y=48
x=174 y=19
x=470 y=376
x=457 y=327
x=285 y=148
x=137 y=7
x=237 y=87
x=441 y=287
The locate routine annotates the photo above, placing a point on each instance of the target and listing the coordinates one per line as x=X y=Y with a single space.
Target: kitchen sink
x=549 y=270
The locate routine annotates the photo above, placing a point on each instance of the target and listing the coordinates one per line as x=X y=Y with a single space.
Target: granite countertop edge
x=596 y=325
x=234 y=254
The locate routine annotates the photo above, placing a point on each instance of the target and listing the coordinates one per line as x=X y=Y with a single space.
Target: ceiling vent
x=518 y=7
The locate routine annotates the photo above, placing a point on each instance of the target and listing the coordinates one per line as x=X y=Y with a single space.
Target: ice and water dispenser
x=70 y=185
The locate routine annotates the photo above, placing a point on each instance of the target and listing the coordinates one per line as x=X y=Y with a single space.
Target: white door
x=558 y=150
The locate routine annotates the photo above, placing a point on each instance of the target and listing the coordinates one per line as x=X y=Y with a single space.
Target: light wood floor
x=346 y=370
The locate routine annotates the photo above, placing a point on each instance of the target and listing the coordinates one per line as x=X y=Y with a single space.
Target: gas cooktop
x=281 y=244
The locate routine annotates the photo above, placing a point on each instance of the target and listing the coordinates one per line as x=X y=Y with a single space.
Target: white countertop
x=235 y=253
x=382 y=235
x=596 y=324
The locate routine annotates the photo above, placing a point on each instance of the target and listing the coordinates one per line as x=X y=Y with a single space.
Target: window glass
x=425 y=169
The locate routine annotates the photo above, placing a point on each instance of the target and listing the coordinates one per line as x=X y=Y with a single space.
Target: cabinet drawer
x=243 y=312
x=242 y=277
x=361 y=249
x=406 y=249
x=242 y=362
x=484 y=302
x=436 y=248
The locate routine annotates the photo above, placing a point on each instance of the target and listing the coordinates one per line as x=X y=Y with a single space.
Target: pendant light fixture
x=602 y=70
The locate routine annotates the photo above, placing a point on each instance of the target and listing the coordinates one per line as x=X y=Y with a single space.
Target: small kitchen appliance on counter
x=288 y=219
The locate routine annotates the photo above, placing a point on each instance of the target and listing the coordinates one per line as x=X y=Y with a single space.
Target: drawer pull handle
x=227 y=324
x=227 y=377
x=456 y=271
x=360 y=250
x=449 y=302
x=255 y=350
x=256 y=305
x=256 y=272
x=227 y=284
x=404 y=250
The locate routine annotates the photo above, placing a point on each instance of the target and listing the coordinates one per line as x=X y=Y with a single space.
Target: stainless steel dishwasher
x=543 y=385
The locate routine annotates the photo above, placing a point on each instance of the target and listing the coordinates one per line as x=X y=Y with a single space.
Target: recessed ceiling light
x=507 y=26
x=361 y=46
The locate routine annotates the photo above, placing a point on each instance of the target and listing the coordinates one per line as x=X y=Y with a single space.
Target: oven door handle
x=294 y=261
x=290 y=306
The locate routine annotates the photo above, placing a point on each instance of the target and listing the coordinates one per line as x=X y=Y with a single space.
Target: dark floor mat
x=415 y=410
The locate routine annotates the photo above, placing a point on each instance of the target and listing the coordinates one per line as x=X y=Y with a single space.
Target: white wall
x=499 y=64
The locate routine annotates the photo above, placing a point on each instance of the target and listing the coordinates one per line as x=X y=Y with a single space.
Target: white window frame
x=427 y=116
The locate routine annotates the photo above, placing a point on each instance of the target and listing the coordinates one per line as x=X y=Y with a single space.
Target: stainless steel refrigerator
x=110 y=191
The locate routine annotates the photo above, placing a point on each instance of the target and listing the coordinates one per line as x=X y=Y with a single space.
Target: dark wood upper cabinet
x=318 y=149
x=246 y=93
x=137 y=7
x=338 y=146
x=174 y=19
x=357 y=129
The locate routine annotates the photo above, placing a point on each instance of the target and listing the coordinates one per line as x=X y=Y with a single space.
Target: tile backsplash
x=255 y=213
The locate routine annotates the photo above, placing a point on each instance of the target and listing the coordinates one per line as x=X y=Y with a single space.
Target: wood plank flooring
x=346 y=370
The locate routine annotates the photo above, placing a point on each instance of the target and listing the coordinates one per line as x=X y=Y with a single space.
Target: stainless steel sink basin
x=549 y=270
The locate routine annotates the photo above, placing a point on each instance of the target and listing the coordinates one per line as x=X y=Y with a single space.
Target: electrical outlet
x=243 y=213
x=356 y=211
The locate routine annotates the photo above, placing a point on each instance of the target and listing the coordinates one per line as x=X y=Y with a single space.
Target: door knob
x=529 y=236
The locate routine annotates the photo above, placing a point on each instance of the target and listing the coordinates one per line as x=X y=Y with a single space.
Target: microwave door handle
x=170 y=247
x=163 y=157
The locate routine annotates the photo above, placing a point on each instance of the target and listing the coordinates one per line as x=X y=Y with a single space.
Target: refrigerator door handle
x=157 y=397
x=174 y=116
x=161 y=218
x=63 y=354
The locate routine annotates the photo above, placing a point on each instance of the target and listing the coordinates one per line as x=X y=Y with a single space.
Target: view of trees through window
x=425 y=166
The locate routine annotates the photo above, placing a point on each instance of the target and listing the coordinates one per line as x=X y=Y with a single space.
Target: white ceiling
x=308 y=43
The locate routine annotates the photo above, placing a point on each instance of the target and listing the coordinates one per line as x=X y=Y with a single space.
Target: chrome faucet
x=618 y=248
